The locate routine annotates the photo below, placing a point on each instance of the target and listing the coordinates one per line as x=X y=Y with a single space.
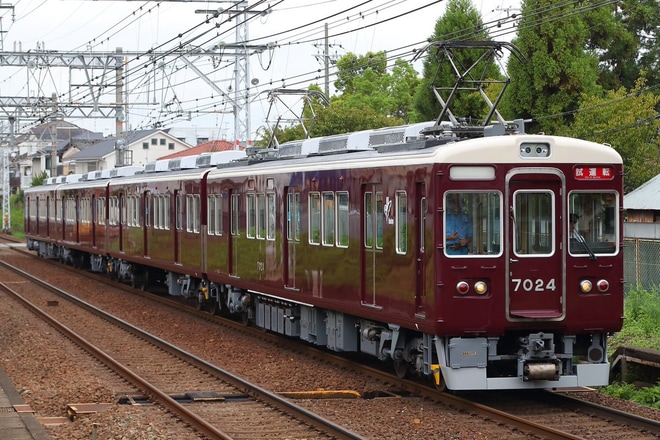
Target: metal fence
x=641 y=263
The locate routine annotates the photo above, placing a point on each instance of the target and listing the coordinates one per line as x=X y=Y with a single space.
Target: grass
x=640 y=329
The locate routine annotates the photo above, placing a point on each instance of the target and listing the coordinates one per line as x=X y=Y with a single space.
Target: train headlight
x=603 y=286
x=462 y=288
x=480 y=288
x=585 y=286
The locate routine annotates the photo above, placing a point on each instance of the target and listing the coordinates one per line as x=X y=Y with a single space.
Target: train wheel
x=400 y=368
x=214 y=307
x=441 y=385
x=144 y=285
x=137 y=277
x=245 y=318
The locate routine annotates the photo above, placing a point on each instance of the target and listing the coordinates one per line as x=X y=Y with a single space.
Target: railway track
x=212 y=401
x=511 y=416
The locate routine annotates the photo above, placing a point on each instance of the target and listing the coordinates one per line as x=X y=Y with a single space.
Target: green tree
x=39 y=179
x=627 y=120
x=641 y=21
x=342 y=117
x=351 y=67
x=558 y=70
x=366 y=81
x=461 y=22
x=615 y=44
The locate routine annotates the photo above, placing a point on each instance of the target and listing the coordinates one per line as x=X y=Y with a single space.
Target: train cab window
x=534 y=223
x=314 y=218
x=472 y=223
x=593 y=223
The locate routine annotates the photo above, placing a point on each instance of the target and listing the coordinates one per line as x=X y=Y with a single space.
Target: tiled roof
x=206 y=147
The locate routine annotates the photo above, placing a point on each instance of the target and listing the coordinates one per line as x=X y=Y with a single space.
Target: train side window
x=214 y=220
x=178 y=209
x=251 y=226
x=422 y=225
x=158 y=212
x=234 y=214
x=293 y=217
x=192 y=213
x=210 y=213
x=147 y=209
x=371 y=211
x=401 y=221
x=328 y=219
x=100 y=211
x=342 y=219
x=113 y=207
x=314 y=218
x=165 y=212
x=270 y=206
x=261 y=216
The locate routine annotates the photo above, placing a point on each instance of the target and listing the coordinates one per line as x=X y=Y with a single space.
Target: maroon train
x=487 y=263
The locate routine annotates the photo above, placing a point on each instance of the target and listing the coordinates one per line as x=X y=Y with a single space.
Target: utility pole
x=327 y=59
x=2 y=31
x=6 y=188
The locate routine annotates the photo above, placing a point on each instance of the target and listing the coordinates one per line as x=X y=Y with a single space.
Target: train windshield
x=473 y=224
x=593 y=222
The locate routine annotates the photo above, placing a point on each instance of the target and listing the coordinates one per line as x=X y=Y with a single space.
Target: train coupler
x=548 y=370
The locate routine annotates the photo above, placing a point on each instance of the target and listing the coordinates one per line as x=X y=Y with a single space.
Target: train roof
x=390 y=146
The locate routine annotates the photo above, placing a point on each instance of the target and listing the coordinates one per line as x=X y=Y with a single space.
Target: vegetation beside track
x=640 y=329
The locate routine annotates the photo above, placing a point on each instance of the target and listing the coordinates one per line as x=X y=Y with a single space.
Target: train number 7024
x=529 y=285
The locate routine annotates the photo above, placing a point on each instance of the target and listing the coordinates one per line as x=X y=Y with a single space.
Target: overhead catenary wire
x=305 y=78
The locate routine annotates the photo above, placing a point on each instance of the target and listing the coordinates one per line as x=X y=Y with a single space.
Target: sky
x=293 y=31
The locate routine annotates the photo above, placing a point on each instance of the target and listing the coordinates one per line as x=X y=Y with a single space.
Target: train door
x=94 y=219
x=372 y=241
x=535 y=256
x=77 y=213
x=292 y=236
x=234 y=225
x=146 y=225
x=178 y=224
x=420 y=246
x=122 y=220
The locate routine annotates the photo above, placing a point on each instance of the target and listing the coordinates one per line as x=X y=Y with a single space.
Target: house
x=206 y=147
x=135 y=148
x=45 y=147
x=642 y=211
x=641 y=235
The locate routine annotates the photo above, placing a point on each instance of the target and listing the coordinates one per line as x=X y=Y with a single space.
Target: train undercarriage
x=512 y=361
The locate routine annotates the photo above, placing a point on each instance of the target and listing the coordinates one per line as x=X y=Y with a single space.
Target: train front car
x=530 y=267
